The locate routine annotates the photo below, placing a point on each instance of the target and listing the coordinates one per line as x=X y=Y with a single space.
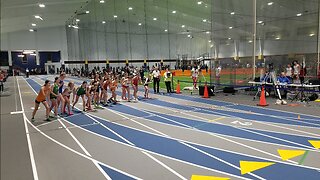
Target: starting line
x=16 y=112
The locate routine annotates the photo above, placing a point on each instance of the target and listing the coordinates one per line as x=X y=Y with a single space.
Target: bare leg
x=76 y=101
x=47 y=108
x=36 y=106
x=83 y=102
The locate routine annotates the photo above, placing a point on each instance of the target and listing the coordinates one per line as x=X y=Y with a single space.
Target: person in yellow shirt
x=167 y=79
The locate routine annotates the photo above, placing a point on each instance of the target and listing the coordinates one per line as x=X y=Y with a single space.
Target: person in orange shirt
x=41 y=98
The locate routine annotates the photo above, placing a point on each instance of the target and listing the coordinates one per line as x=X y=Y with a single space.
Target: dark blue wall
x=31 y=60
x=4 y=60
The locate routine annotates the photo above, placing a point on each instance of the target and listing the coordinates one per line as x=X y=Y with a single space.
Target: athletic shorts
x=39 y=102
x=80 y=94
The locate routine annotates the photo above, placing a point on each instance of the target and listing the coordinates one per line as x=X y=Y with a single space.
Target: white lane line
x=151 y=152
x=251 y=107
x=153 y=158
x=254 y=132
x=232 y=126
x=266 y=123
x=213 y=134
x=245 y=111
x=302 y=122
x=167 y=136
x=176 y=139
x=15 y=91
x=278 y=124
x=79 y=144
x=87 y=156
x=33 y=163
x=80 y=154
x=195 y=98
x=162 y=164
x=85 y=150
x=271 y=124
x=219 y=136
x=16 y=112
x=249 y=146
x=43 y=124
x=198 y=117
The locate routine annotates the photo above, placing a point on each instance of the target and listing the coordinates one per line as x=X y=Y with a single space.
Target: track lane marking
x=33 y=163
x=127 y=141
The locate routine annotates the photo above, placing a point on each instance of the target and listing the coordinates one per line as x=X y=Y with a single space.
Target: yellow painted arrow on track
x=315 y=143
x=199 y=177
x=250 y=166
x=289 y=154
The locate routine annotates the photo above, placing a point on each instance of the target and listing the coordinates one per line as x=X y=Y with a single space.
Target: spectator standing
x=167 y=80
x=156 y=80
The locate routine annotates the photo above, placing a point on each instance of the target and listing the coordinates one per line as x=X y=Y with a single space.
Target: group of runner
x=95 y=93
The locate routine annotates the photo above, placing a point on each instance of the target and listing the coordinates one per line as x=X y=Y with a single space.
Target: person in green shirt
x=167 y=80
x=53 y=95
x=81 y=92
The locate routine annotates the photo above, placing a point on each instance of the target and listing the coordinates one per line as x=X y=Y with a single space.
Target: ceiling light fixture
x=76 y=27
x=208 y=32
x=130 y=8
x=299 y=14
x=101 y=1
x=140 y=24
x=166 y=30
x=250 y=41
x=189 y=35
x=33 y=24
x=69 y=26
x=20 y=55
x=77 y=20
x=87 y=12
x=33 y=54
x=209 y=41
x=115 y=16
x=199 y=2
x=103 y=22
x=232 y=13
x=277 y=38
x=173 y=12
x=154 y=19
x=230 y=27
x=260 y=22
x=38 y=17
x=204 y=20
x=31 y=30
x=229 y=38
x=211 y=45
x=28 y=52
x=42 y=5
x=270 y=3
x=183 y=26
x=312 y=34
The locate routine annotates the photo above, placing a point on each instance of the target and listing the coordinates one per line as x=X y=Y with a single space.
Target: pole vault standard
x=254 y=36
